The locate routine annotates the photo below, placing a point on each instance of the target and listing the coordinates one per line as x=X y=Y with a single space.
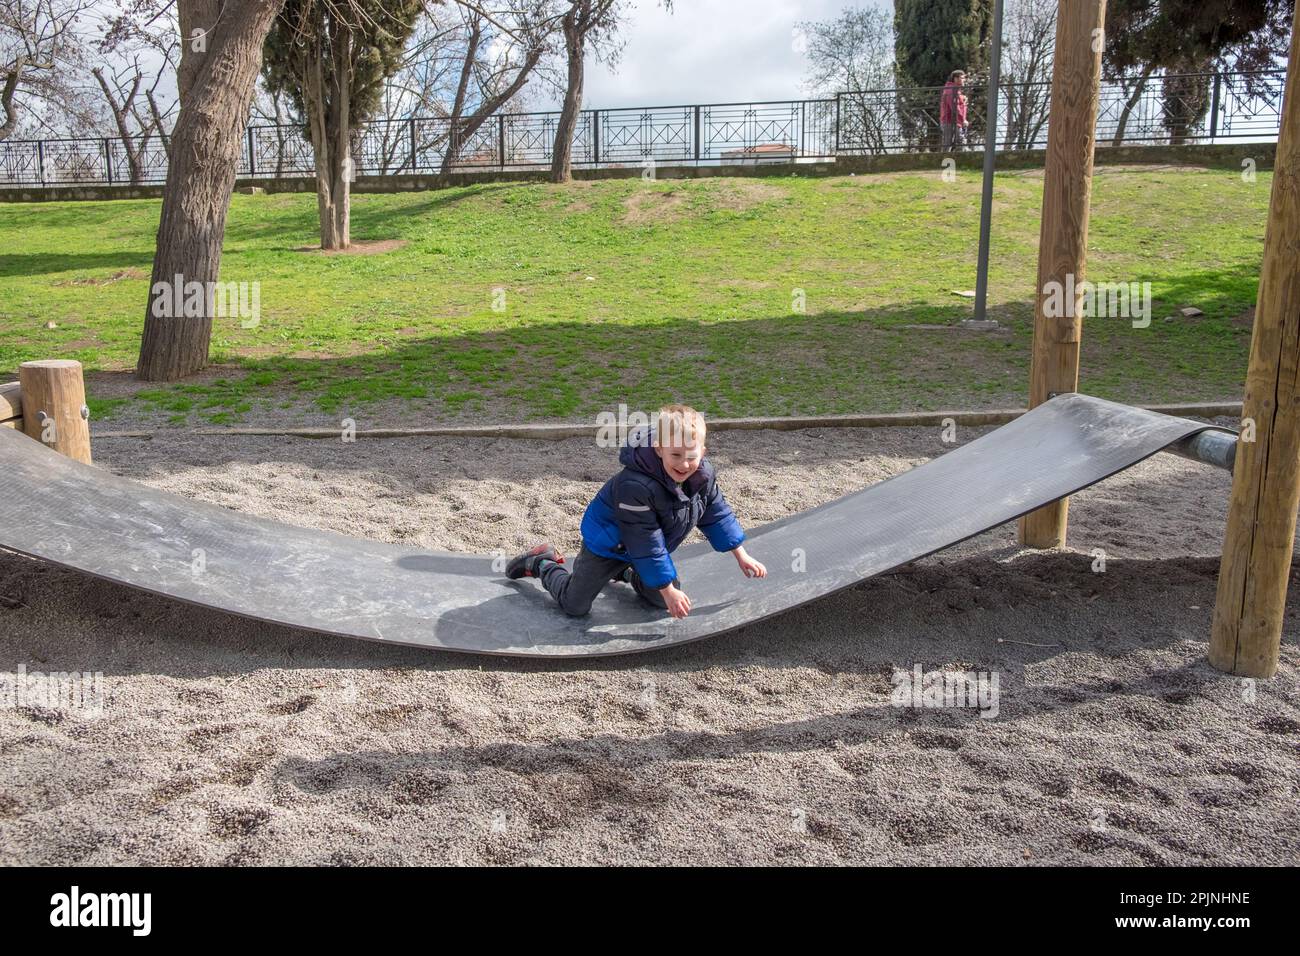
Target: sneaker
x=525 y=565
x=624 y=576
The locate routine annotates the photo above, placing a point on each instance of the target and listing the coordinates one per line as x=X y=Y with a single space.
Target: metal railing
x=1197 y=107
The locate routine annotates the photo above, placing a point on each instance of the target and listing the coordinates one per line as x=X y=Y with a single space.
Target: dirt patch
x=1148 y=168
x=131 y=273
x=124 y=384
x=1245 y=320
x=740 y=195
x=647 y=207
x=871 y=179
x=360 y=247
x=656 y=206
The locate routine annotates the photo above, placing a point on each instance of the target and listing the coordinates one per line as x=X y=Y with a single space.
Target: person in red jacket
x=952 y=112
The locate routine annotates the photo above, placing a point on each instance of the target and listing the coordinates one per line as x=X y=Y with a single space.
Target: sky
x=710 y=51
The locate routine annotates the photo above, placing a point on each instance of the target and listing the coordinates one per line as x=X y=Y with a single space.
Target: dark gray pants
x=575 y=590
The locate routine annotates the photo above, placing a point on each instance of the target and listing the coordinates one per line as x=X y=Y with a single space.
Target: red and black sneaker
x=527 y=564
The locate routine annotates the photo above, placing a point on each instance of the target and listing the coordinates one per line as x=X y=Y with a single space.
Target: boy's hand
x=748 y=566
x=679 y=605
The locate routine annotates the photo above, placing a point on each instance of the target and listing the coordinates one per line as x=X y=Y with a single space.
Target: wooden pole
x=1063 y=232
x=54 y=402
x=1246 y=637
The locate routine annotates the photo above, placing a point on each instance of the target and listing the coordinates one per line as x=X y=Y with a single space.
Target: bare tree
x=497 y=62
x=585 y=24
x=1132 y=87
x=398 y=136
x=272 y=107
x=142 y=57
x=40 y=50
x=1029 y=40
x=853 y=55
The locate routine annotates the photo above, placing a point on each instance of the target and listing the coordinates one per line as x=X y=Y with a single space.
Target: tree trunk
x=455 y=139
x=121 y=113
x=331 y=133
x=1184 y=101
x=1129 y=104
x=216 y=86
x=7 y=90
x=562 y=154
x=471 y=125
x=158 y=123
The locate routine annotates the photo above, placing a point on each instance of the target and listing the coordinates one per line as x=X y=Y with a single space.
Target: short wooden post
x=54 y=406
x=1063 y=232
x=1246 y=637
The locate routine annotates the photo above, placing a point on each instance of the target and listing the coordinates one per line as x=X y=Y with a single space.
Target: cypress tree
x=332 y=60
x=931 y=39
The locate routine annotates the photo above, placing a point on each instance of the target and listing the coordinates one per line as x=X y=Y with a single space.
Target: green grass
x=689 y=297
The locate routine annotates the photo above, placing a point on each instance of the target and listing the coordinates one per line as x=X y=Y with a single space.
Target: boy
x=638 y=519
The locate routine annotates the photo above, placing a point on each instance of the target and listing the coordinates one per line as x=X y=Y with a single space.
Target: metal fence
x=1197 y=107
x=1173 y=109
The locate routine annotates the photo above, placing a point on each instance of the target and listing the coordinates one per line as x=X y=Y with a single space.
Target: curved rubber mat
x=85 y=518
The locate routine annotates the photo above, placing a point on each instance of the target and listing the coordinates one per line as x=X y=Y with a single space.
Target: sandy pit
x=225 y=741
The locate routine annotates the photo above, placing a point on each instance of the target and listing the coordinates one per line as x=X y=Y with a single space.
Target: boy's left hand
x=748 y=566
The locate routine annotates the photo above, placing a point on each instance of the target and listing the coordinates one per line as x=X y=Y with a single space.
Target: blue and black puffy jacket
x=642 y=515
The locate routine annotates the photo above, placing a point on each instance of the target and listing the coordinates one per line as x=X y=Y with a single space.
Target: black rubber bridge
x=85 y=518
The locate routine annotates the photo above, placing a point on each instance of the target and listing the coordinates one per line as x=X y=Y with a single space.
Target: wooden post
x=1246 y=637
x=1063 y=232
x=54 y=402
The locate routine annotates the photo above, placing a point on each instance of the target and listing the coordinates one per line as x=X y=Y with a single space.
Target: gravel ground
x=226 y=741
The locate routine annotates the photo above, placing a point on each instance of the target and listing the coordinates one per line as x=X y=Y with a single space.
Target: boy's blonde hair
x=678 y=426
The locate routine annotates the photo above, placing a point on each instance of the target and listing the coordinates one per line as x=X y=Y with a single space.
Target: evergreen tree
x=332 y=61
x=1185 y=37
x=931 y=39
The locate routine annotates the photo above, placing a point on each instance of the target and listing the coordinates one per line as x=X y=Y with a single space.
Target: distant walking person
x=952 y=113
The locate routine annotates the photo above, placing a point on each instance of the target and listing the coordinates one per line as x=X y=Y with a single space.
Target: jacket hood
x=639 y=455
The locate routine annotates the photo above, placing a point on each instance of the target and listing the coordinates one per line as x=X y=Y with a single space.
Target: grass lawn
x=636 y=292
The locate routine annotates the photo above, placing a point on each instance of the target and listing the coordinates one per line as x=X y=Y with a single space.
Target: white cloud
x=709 y=51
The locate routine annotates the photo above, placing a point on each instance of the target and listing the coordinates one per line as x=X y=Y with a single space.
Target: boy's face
x=681 y=461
